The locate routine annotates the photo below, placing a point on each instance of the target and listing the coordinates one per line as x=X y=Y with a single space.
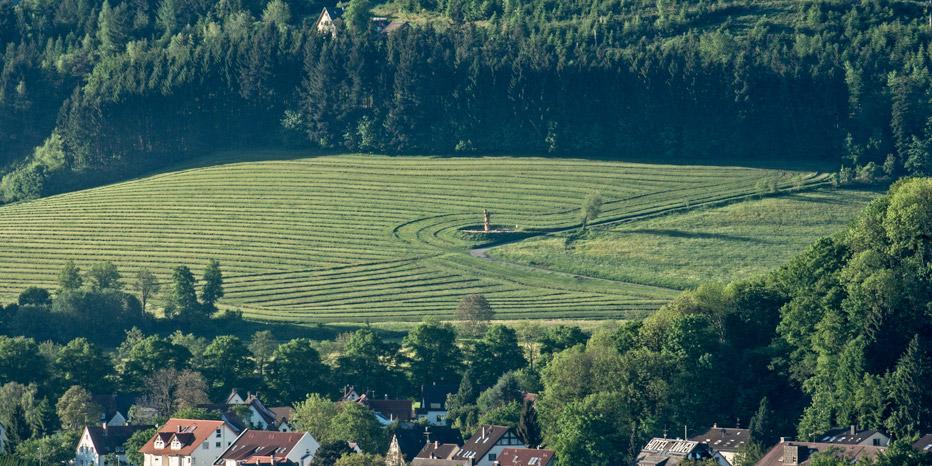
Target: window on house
x=218 y=445
x=218 y=432
x=492 y=456
x=206 y=445
x=876 y=442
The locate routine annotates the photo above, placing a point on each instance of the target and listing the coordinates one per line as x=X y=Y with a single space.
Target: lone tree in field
x=213 y=286
x=591 y=208
x=69 y=278
x=474 y=312
x=104 y=276
x=146 y=285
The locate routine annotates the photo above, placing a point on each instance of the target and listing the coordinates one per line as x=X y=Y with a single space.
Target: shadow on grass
x=694 y=235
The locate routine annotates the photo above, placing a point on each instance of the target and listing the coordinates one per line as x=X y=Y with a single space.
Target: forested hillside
x=104 y=90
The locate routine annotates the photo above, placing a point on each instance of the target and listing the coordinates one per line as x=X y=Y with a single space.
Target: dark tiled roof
x=394 y=26
x=669 y=451
x=480 y=443
x=259 y=446
x=437 y=394
x=234 y=421
x=525 y=457
x=924 y=443
x=438 y=450
x=110 y=438
x=252 y=401
x=282 y=413
x=412 y=440
x=393 y=409
x=435 y=462
x=802 y=452
x=723 y=439
x=845 y=437
x=115 y=403
x=333 y=12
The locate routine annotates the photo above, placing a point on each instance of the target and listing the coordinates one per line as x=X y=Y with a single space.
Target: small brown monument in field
x=488 y=217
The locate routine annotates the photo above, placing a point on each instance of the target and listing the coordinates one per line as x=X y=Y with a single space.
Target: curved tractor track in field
x=814 y=180
x=358 y=237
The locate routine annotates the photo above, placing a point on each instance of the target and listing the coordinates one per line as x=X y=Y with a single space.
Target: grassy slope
x=714 y=244
x=349 y=238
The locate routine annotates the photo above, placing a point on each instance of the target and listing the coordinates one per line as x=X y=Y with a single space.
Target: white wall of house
x=724 y=458
x=878 y=439
x=86 y=454
x=3 y=439
x=435 y=417
x=117 y=420
x=255 y=419
x=493 y=454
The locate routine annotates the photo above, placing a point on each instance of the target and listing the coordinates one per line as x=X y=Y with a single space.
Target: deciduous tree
x=76 y=410
x=104 y=276
x=590 y=210
x=434 y=356
x=69 y=278
x=474 y=313
x=147 y=285
x=296 y=370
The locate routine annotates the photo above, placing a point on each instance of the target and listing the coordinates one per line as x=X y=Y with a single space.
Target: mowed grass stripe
x=353 y=236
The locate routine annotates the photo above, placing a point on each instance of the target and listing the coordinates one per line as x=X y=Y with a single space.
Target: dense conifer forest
x=95 y=91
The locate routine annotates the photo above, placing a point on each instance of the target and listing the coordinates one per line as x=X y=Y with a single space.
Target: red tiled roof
x=254 y=445
x=525 y=457
x=190 y=432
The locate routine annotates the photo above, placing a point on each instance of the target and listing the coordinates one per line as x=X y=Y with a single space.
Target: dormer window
x=159 y=444
x=176 y=444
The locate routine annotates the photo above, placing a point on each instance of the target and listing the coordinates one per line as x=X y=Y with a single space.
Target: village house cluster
x=264 y=437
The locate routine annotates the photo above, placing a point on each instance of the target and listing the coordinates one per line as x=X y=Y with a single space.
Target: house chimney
x=852 y=429
x=483 y=432
x=436 y=444
x=386 y=396
x=715 y=425
x=790 y=455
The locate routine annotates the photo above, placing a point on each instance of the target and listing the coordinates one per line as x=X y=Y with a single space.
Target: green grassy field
x=707 y=244
x=350 y=238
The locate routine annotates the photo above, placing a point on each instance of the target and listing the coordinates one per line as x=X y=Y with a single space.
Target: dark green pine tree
x=182 y=297
x=763 y=430
x=910 y=394
x=212 y=290
x=528 y=428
